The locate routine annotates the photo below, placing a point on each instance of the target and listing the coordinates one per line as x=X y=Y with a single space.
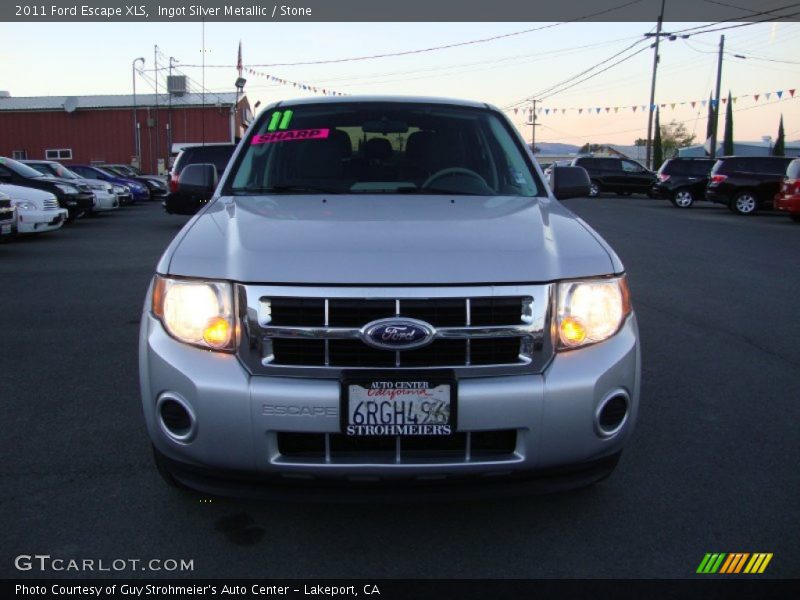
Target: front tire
x=744 y=203
x=683 y=198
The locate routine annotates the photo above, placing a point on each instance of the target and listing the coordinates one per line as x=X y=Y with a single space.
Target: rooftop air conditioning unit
x=176 y=85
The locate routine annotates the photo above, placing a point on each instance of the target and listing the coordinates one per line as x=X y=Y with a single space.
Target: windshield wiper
x=284 y=189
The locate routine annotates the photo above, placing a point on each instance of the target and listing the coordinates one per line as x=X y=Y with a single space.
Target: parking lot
x=713 y=466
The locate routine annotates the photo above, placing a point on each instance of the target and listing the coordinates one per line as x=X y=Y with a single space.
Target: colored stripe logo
x=734 y=563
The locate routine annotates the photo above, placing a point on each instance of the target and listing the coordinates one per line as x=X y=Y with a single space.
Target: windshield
x=106 y=172
x=118 y=170
x=20 y=169
x=55 y=169
x=382 y=148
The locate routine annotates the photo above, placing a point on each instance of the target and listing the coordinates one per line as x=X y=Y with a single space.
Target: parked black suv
x=75 y=196
x=746 y=183
x=683 y=180
x=182 y=203
x=613 y=174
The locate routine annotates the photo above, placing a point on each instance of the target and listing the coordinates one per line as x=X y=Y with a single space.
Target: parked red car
x=788 y=198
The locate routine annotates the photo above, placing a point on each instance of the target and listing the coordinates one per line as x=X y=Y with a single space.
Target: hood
x=386 y=239
x=19 y=192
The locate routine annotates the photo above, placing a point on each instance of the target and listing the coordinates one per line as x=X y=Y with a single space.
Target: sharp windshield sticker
x=292 y=134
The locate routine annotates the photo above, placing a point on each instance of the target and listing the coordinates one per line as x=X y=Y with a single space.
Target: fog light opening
x=176 y=418
x=612 y=414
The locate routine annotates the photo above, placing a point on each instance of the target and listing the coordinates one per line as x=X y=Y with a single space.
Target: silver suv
x=385 y=291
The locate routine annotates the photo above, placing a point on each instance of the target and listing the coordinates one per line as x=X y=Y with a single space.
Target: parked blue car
x=139 y=190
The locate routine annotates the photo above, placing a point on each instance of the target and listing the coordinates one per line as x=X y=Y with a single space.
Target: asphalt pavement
x=713 y=465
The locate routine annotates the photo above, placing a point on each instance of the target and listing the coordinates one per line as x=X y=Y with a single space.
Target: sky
x=95 y=58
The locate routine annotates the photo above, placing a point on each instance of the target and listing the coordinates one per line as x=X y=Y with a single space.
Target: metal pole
x=713 y=150
x=169 y=124
x=533 y=127
x=158 y=132
x=653 y=90
x=137 y=151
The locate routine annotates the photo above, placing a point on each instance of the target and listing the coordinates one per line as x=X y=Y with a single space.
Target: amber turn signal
x=572 y=331
x=218 y=332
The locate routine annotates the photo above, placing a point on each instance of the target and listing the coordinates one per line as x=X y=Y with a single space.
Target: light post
x=240 y=83
x=136 y=148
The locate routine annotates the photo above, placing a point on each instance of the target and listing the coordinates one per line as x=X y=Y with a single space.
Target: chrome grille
x=6 y=210
x=51 y=205
x=478 y=330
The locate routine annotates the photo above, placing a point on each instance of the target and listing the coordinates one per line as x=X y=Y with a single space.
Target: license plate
x=396 y=406
x=5 y=229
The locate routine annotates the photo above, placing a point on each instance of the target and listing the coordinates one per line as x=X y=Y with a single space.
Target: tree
x=588 y=148
x=780 y=144
x=658 y=150
x=727 y=143
x=674 y=135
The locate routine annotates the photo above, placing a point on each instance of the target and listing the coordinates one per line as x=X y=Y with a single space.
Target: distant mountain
x=555 y=148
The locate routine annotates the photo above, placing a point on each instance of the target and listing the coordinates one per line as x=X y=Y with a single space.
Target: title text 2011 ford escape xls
x=385 y=290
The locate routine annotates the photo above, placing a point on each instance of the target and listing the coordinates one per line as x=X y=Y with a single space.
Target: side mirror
x=198 y=180
x=570 y=182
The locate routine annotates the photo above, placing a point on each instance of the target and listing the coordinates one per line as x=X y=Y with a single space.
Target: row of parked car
x=41 y=195
x=745 y=184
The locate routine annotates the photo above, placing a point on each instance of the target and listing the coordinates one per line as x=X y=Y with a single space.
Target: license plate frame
x=433 y=379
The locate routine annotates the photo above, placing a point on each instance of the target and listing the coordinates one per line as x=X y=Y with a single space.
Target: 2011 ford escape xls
x=384 y=291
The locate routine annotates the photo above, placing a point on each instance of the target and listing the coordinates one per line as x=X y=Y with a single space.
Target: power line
x=572 y=78
x=611 y=66
x=701 y=28
x=436 y=48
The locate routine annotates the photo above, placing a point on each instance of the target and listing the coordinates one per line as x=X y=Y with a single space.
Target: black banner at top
x=397 y=10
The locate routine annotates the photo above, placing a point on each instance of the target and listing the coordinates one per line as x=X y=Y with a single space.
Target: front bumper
x=554 y=414
x=77 y=203
x=104 y=202
x=39 y=221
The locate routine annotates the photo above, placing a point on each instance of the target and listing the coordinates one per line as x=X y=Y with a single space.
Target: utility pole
x=169 y=123
x=158 y=133
x=137 y=150
x=534 y=125
x=713 y=149
x=653 y=88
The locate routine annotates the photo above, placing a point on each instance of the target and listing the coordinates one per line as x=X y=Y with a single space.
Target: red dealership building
x=100 y=129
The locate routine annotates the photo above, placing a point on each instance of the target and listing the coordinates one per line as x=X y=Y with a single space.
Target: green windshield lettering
x=280 y=120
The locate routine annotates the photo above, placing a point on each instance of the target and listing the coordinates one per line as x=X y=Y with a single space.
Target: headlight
x=118 y=189
x=67 y=189
x=26 y=206
x=591 y=311
x=196 y=312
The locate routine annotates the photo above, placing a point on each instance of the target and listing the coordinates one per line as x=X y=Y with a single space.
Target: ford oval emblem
x=397 y=334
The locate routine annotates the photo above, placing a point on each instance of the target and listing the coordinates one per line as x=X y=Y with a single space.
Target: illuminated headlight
x=196 y=312
x=590 y=311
